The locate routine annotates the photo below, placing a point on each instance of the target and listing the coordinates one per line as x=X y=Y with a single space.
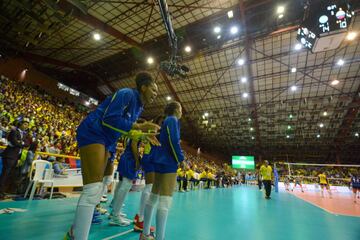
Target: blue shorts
x=147 y=167
x=86 y=134
x=127 y=168
x=165 y=168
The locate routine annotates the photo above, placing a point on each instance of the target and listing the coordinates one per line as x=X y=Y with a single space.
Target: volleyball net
x=337 y=174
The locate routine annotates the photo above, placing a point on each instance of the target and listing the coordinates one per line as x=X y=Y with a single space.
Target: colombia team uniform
x=169 y=154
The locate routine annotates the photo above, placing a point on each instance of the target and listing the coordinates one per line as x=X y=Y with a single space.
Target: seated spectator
x=60 y=167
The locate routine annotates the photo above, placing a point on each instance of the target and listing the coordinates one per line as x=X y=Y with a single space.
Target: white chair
x=43 y=174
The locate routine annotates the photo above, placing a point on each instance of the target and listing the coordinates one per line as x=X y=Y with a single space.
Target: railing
x=50 y=154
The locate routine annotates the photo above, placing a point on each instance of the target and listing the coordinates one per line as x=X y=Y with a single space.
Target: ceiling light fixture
x=150 y=60
x=351 y=36
x=96 y=36
x=335 y=82
x=298 y=46
x=241 y=62
x=217 y=29
x=234 y=30
x=340 y=62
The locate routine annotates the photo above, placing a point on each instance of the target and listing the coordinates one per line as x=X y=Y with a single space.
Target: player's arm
x=135 y=152
x=114 y=116
x=172 y=129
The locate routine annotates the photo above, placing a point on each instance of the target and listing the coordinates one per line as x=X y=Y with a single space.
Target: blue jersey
x=355 y=182
x=112 y=118
x=169 y=153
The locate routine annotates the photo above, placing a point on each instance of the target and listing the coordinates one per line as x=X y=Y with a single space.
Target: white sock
x=89 y=198
x=161 y=216
x=120 y=194
x=144 y=198
x=149 y=209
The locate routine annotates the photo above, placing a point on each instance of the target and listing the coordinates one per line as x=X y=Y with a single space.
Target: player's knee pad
x=165 y=202
x=148 y=188
x=91 y=194
x=107 y=180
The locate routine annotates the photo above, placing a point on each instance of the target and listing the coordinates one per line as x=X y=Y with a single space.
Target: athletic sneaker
x=139 y=227
x=103 y=199
x=147 y=237
x=101 y=210
x=119 y=221
x=136 y=218
x=96 y=213
x=96 y=220
x=122 y=215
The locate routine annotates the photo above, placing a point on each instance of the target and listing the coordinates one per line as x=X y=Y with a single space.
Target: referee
x=266 y=175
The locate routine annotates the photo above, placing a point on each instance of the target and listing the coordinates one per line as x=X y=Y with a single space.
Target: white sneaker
x=119 y=221
x=102 y=210
x=123 y=215
x=103 y=199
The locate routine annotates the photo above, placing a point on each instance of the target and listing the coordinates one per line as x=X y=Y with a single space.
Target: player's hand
x=151 y=137
x=147 y=127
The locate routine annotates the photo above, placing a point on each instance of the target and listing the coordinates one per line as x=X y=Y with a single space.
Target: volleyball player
x=298 y=181
x=100 y=130
x=166 y=161
x=355 y=184
x=287 y=183
x=148 y=167
x=324 y=183
x=127 y=168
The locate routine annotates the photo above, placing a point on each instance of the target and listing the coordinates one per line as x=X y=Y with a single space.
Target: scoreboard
x=325 y=26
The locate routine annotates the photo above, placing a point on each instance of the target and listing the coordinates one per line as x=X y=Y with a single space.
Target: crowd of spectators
x=52 y=123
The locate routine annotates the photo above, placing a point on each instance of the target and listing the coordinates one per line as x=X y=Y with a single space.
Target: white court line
x=118 y=235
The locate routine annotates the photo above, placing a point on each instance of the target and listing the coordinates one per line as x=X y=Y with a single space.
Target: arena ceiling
x=260 y=108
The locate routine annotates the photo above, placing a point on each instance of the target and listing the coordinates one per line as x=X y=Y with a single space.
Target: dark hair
x=171 y=107
x=143 y=78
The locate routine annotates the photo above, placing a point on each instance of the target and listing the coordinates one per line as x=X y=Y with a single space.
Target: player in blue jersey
x=355 y=184
x=127 y=168
x=96 y=135
x=148 y=167
x=166 y=161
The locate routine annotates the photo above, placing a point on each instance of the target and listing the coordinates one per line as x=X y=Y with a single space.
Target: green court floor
x=216 y=214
